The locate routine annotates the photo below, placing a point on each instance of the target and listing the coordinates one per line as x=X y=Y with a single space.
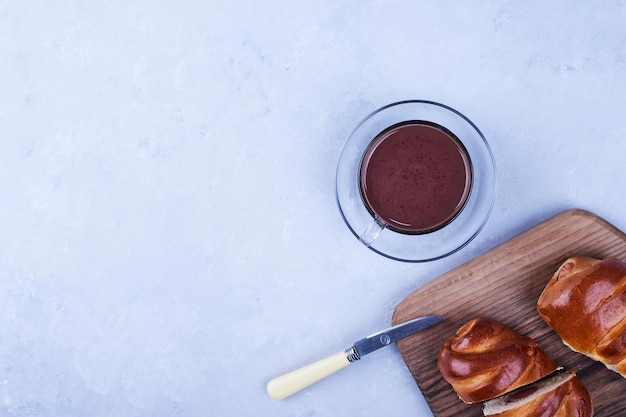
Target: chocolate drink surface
x=415 y=177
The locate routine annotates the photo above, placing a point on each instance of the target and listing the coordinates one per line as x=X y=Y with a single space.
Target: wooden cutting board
x=504 y=284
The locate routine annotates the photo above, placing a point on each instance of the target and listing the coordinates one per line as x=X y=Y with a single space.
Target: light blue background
x=169 y=238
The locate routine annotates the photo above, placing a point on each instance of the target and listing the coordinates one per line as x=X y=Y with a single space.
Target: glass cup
x=415 y=181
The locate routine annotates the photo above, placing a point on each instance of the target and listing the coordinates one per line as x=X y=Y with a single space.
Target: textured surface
x=169 y=237
x=504 y=284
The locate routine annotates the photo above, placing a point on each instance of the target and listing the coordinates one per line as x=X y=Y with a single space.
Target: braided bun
x=585 y=303
x=486 y=359
x=561 y=395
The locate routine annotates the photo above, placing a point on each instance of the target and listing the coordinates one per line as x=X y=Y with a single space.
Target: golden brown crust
x=485 y=359
x=571 y=399
x=585 y=303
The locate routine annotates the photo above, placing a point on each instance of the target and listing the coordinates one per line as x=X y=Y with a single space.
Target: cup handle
x=372 y=232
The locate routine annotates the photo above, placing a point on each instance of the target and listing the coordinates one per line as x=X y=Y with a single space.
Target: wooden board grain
x=504 y=284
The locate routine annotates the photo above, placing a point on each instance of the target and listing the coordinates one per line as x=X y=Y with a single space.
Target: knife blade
x=285 y=385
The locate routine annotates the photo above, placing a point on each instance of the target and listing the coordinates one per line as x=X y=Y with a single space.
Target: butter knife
x=285 y=385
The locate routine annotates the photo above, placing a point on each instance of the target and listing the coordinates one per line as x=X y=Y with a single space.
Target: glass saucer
x=416 y=247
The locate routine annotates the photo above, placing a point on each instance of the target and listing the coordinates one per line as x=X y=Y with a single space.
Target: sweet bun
x=486 y=359
x=559 y=395
x=585 y=303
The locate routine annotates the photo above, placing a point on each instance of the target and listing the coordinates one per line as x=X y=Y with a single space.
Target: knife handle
x=285 y=385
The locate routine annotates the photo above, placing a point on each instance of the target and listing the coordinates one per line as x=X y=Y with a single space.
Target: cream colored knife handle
x=285 y=385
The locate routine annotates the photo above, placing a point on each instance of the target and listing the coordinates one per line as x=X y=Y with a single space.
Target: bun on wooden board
x=559 y=395
x=585 y=303
x=486 y=359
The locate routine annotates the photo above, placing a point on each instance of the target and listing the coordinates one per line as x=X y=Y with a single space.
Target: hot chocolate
x=415 y=177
